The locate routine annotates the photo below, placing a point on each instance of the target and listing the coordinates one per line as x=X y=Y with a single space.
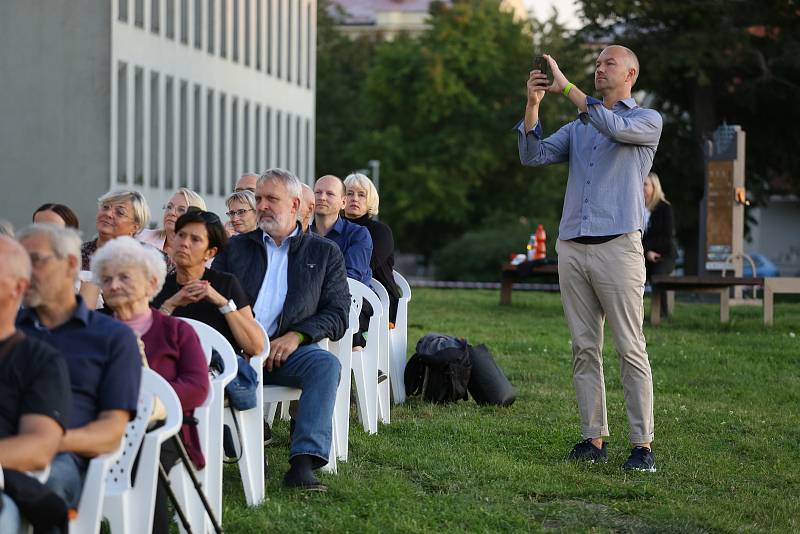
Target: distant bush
x=478 y=254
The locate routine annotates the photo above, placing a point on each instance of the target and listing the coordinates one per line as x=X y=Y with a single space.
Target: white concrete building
x=152 y=95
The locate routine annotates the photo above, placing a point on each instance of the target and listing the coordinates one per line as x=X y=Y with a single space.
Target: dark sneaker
x=641 y=459
x=585 y=451
x=301 y=477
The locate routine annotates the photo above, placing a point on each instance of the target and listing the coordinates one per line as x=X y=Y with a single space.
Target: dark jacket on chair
x=317 y=297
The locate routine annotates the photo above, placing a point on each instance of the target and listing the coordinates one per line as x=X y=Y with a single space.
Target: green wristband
x=302 y=336
x=567 y=88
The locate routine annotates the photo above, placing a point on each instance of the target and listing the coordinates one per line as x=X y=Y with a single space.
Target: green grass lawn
x=727 y=435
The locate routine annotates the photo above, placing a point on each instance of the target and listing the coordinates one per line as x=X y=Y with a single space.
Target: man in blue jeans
x=297 y=285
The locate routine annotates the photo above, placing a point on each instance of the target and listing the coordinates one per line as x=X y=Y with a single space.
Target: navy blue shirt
x=103 y=359
x=356 y=245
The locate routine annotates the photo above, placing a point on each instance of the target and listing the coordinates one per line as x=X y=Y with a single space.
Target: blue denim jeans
x=67 y=472
x=10 y=520
x=316 y=372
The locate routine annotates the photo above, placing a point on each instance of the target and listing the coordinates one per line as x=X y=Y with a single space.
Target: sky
x=566 y=10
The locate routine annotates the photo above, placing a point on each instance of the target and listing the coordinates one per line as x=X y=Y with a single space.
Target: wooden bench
x=514 y=273
x=714 y=284
x=777 y=285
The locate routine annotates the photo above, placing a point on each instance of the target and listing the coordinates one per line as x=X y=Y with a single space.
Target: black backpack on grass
x=440 y=377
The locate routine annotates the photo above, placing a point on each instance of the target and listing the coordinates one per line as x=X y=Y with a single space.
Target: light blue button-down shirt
x=272 y=295
x=609 y=151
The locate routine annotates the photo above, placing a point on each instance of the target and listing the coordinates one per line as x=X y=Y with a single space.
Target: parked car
x=764 y=267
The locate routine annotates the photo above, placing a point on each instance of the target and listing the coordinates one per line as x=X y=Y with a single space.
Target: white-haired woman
x=162 y=238
x=658 y=240
x=361 y=206
x=130 y=274
x=241 y=213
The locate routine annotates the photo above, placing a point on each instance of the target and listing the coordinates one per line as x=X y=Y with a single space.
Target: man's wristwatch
x=229 y=306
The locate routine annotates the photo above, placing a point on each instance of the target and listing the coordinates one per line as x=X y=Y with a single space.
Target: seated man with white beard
x=297 y=285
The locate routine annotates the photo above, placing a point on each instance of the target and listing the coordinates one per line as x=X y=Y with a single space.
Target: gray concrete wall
x=54 y=106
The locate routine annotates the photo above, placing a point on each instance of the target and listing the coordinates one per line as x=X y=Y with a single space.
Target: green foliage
x=726 y=415
x=478 y=254
x=438 y=111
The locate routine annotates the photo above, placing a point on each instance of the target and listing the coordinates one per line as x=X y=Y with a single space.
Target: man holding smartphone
x=610 y=149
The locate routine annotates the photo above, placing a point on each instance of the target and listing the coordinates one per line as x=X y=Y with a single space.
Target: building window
x=279 y=37
x=268 y=33
x=155 y=16
x=138 y=13
x=259 y=36
x=289 y=42
x=211 y=18
x=170 y=22
x=138 y=126
x=198 y=24
x=210 y=142
x=223 y=28
x=122 y=10
x=223 y=154
x=309 y=49
x=169 y=133
x=155 y=117
x=122 y=121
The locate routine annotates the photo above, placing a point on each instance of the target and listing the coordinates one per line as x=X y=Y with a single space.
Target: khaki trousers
x=598 y=282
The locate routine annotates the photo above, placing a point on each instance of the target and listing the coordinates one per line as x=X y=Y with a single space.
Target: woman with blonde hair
x=658 y=239
x=242 y=217
x=177 y=205
x=361 y=207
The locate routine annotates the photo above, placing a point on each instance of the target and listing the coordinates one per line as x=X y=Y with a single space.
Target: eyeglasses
x=240 y=189
x=180 y=210
x=37 y=260
x=115 y=210
x=237 y=213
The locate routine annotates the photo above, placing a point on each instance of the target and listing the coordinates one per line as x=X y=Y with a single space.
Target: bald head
x=247 y=182
x=329 y=195
x=306 y=205
x=15 y=274
x=632 y=61
x=15 y=259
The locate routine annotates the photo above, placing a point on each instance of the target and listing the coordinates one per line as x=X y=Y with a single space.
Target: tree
x=342 y=68
x=440 y=110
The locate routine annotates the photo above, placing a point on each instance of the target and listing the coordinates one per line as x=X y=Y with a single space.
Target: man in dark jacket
x=297 y=286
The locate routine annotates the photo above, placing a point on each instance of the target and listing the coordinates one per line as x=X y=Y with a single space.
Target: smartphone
x=540 y=64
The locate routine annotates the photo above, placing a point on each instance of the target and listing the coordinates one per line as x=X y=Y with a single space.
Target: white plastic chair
x=90 y=506
x=384 y=395
x=365 y=362
x=251 y=428
x=209 y=428
x=343 y=350
x=129 y=506
x=398 y=340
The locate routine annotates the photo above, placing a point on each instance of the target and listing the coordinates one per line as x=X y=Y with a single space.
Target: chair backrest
x=355 y=305
x=379 y=290
x=152 y=386
x=358 y=292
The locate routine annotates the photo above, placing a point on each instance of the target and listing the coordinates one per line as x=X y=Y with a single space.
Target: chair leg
x=362 y=393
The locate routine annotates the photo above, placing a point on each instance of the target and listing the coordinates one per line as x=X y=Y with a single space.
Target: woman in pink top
x=130 y=274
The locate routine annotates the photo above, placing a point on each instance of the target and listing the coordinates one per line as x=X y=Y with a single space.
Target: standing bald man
x=610 y=149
